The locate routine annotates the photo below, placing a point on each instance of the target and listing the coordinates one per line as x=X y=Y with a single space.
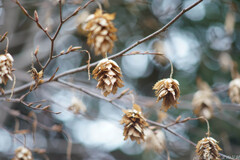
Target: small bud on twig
x=30 y=104
x=76 y=48
x=36 y=51
x=62 y=52
x=36 y=16
x=69 y=49
x=186 y=119
x=38 y=106
x=46 y=108
x=178 y=119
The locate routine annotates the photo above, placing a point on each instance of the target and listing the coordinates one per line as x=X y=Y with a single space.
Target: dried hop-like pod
x=6 y=62
x=22 y=153
x=208 y=149
x=168 y=90
x=204 y=102
x=108 y=75
x=134 y=124
x=155 y=140
x=101 y=30
x=234 y=90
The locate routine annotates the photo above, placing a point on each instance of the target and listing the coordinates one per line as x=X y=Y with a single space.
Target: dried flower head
x=207 y=149
x=101 y=32
x=6 y=62
x=154 y=140
x=134 y=124
x=77 y=106
x=168 y=90
x=204 y=101
x=234 y=90
x=108 y=75
x=22 y=153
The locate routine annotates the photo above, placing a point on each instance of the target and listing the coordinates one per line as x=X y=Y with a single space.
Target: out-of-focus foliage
x=198 y=44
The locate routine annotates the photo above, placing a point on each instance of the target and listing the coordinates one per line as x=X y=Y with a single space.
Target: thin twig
x=75 y=70
x=149 y=121
x=69 y=147
x=89 y=93
x=135 y=44
x=77 y=10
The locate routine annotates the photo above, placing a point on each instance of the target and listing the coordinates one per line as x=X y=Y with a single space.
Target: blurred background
x=202 y=43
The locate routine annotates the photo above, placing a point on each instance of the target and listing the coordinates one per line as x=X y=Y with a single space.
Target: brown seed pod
x=6 y=63
x=168 y=90
x=101 y=30
x=208 y=149
x=234 y=90
x=22 y=153
x=108 y=75
x=134 y=124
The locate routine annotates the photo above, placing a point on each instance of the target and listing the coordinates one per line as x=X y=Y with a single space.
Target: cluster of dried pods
x=101 y=36
x=108 y=74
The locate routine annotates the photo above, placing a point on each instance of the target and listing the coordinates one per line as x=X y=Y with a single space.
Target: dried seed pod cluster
x=101 y=34
x=168 y=90
x=6 y=63
x=234 y=90
x=208 y=149
x=155 y=140
x=22 y=153
x=204 y=100
x=134 y=124
x=108 y=75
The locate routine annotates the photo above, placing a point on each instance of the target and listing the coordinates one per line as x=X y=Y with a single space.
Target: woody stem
x=6 y=50
x=171 y=68
x=208 y=126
